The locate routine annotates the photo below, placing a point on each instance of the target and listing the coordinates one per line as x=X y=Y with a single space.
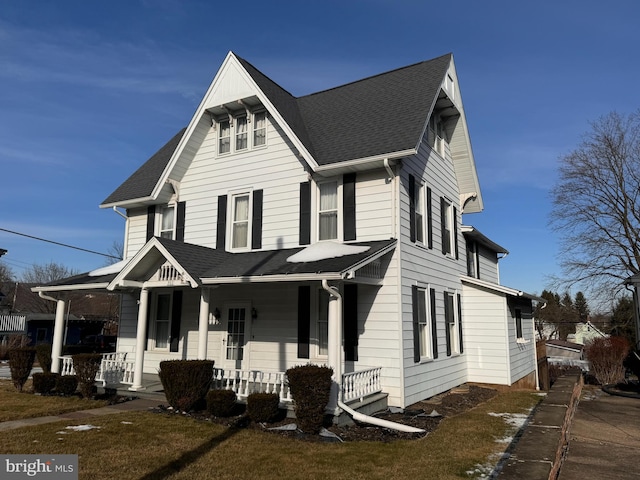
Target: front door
x=234 y=341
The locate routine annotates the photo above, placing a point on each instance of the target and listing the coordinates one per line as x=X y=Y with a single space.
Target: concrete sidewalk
x=604 y=440
x=138 y=404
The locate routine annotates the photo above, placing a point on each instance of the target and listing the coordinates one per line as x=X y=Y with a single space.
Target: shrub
x=310 y=387
x=86 y=366
x=21 y=362
x=606 y=356
x=186 y=382
x=43 y=353
x=263 y=407
x=45 y=382
x=66 y=384
x=221 y=403
x=14 y=341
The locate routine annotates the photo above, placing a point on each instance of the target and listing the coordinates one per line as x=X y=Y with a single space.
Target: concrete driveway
x=604 y=438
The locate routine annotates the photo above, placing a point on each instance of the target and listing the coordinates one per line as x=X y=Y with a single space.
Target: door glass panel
x=235 y=333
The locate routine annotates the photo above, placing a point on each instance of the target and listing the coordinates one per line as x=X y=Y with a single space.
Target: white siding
x=521 y=355
x=488 y=264
x=486 y=335
x=430 y=268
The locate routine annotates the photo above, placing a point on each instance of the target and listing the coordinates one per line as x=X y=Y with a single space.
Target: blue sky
x=89 y=90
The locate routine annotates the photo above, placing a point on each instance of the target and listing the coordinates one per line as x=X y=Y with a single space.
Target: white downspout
x=335 y=360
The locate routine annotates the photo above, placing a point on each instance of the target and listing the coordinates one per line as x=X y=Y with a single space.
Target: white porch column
x=334 y=347
x=203 y=324
x=141 y=340
x=58 y=336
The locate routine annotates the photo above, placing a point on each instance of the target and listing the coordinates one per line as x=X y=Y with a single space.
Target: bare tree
x=116 y=252
x=596 y=206
x=6 y=274
x=42 y=274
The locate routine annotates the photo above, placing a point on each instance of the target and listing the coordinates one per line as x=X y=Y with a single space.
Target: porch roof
x=205 y=265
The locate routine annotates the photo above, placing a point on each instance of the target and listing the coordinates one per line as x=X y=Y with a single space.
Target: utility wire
x=58 y=243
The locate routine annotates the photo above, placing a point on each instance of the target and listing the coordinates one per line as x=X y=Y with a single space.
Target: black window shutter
x=180 y=216
x=443 y=212
x=349 y=206
x=176 y=317
x=416 y=326
x=429 y=220
x=412 y=208
x=447 y=321
x=350 y=322
x=304 y=320
x=151 y=222
x=256 y=223
x=221 y=228
x=434 y=322
x=455 y=232
x=305 y=213
x=460 y=323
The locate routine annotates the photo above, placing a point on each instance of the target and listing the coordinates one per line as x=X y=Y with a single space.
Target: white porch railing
x=357 y=385
x=114 y=368
x=13 y=323
x=245 y=382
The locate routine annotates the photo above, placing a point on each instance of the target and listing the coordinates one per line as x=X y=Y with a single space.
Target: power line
x=60 y=244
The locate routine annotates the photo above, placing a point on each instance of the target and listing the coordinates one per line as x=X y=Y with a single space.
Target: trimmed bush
x=186 y=382
x=66 y=385
x=221 y=403
x=86 y=366
x=263 y=407
x=21 y=362
x=45 y=382
x=43 y=353
x=310 y=387
x=606 y=356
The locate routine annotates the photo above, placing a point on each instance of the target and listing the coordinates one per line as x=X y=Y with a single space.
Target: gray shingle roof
x=142 y=182
x=379 y=115
x=209 y=263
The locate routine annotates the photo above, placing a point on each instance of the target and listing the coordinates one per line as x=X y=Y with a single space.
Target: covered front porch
x=118 y=372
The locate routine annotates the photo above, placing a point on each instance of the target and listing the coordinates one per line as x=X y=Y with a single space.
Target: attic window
x=449 y=87
x=224 y=137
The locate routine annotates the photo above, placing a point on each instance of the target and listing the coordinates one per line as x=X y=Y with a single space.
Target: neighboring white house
x=275 y=231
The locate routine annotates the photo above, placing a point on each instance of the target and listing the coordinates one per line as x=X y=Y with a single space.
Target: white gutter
x=360 y=417
x=46 y=297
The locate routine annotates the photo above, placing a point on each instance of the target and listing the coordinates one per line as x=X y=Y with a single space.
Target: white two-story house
x=275 y=231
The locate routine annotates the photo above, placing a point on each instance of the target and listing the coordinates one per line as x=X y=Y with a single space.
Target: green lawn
x=147 y=446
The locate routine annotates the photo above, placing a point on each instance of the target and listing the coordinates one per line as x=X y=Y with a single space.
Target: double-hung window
x=518 y=318
x=240 y=226
x=328 y=211
x=224 y=137
x=241 y=133
x=419 y=205
x=167 y=222
x=424 y=328
x=259 y=129
x=453 y=325
x=447 y=220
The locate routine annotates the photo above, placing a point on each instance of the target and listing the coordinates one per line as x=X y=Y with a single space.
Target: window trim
x=419 y=212
x=321 y=293
x=447 y=219
x=452 y=329
x=232 y=120
x=338 y=209
x=153 y=334
x=425 y=323
x=160 y=217
x=231 y=222
x=518 y=323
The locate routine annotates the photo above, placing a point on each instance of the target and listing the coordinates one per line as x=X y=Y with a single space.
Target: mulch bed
x=418 y=415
